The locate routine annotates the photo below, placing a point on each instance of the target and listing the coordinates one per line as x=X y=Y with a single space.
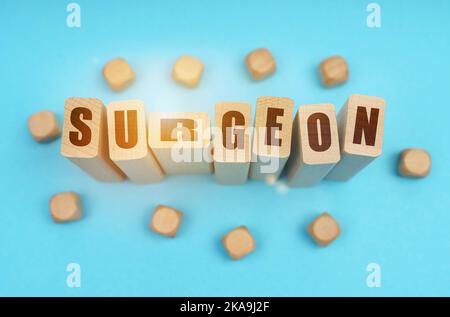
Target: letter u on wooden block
x=271 y=137
x=361 y=124
x=315 y=145
x=181 y=141
x=232 y=142
x=85 y=139
x=128 y=142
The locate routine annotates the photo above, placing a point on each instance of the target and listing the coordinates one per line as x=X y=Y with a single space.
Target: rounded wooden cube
x=187 y=71
x=414 y=163
x=260 y=63
x=238 y=242
x=65 y=207
x=118 y=74
x=166 y=221
x=43 y=126
x=324 y=229
x=334 y=71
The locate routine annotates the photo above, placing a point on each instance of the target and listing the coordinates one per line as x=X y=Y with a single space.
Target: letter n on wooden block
x=315 y=145
x=181 y=141
x=128 y=146
x=85 y=139
x=361 y=124
x=271 y=137
x=232 y=142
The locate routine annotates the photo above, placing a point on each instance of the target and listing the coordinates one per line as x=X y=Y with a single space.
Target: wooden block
x=232 y=142
x=128 y=146
x=238 y=242
x=260 y=63
x=414 y=163
x=65 y=207
x=43 y=126
x=187 y=71
x=360 y=124
x=333 y=71
x=166 y=221
x=181 y=141
x=118 y=74
x=315 y=145
x=271 y=137
x=324 y=229
x=85 y=139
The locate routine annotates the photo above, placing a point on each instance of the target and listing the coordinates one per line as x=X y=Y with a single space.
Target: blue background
x=402 y=224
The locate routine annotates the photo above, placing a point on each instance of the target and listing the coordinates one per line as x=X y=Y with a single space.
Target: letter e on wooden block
x=181 y=141
x=85 y=139
x=232 y=142
x=271 y=137
x=128 y=142
x=315 y=145
x=361 y=124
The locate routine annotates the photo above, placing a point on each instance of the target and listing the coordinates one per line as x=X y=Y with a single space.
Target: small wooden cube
x=166 y=221
x=324 y=229
x=43 y=126
x=260 y=63
x=119 y=74
x=65 y=207
x=414 y=163
x=238 y=242
x=187 y=71
x=333 y=71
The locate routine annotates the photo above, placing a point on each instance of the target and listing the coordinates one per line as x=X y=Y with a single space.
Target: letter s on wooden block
x=128 y=142
x=181 y=141
x=271 y=137
x=85 y=139
x=361 y=125
x=315 y=145
x=232 y=142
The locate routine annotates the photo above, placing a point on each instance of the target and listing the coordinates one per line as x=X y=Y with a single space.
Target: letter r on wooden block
x=315 y=145
x=181 y=141
x=85 y=139
x=128 y=142
x=361 y=125
x=271 y=137
x=232 y=142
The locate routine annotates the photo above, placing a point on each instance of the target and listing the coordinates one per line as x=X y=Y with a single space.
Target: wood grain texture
x=324 y=229
x=166 y=221
x=118 y=74
x=260 y=63
x=414 y=163
x=238 y=242
x=333 y=71
x=187 y=71
x=65 y=207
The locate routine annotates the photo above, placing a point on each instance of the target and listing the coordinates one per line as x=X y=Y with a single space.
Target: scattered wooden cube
x=187 y=71
x=65 y=207
x=238 y=242
x=260 y=63
x=43 y=126
x=166 y=220
x=414 y=163
x=324 y=229
x=333 y=71
x=119 y=74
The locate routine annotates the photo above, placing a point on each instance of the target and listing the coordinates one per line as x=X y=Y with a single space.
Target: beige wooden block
x=187 y=71
x=43 y=126
x=414 y=163
x=238 y=242
x=232 y=142
x=260 y=63
x=315 y=145
x=118 y=74
x=181 y=141
x=128 y=146
x=324 y=229
x=271 y=137
x=333 y=71
x=85 y=139
x=166 y=220
x=65 y=207
x=361 y=125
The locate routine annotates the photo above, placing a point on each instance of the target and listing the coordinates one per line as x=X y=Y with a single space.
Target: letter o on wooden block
x=414 y=163
x=187 y=71
x=43 y=126
x=238 y=242
x=166 y=221
x=65 y=207
x=118 y=74
x=324 y=229
x=333 y=71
